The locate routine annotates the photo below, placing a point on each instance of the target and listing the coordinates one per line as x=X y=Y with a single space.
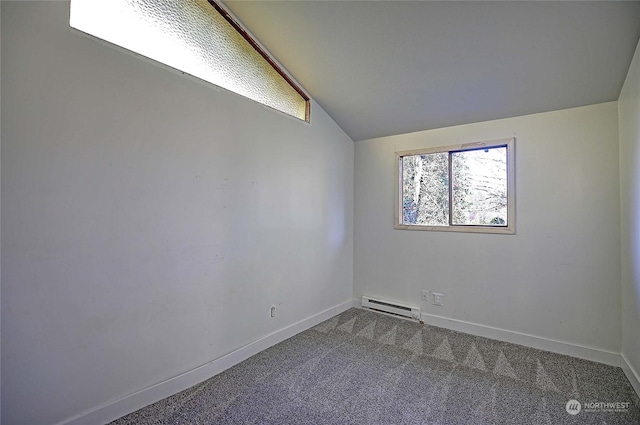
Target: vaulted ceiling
x=389 y=67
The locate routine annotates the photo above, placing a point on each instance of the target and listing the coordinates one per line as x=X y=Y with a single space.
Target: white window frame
x=510 y=228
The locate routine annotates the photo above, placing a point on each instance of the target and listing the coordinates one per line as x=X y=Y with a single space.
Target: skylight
x=197 y=37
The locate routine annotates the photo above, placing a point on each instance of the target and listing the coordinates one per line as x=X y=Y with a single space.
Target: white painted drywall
x=150 y=221
x=0 y=221
x=629 y=116
x=557 y=278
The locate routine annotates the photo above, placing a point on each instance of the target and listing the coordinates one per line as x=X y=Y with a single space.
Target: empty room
x=319 y=212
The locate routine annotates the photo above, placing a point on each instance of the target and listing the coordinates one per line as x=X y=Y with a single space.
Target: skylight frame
x=258 y=76
x=254 y=43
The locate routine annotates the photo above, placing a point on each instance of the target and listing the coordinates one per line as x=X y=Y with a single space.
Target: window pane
x=191 y=36
x=479 y=187
x=425 y=189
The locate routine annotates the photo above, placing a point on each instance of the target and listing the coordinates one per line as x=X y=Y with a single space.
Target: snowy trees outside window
x=460 y=188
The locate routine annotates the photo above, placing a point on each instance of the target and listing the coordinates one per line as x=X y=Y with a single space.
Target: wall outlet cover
x=425 y=295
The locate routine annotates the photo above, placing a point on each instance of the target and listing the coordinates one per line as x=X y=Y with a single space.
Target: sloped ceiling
x=390 y=67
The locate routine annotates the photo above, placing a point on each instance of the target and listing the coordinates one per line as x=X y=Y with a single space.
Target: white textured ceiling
x=390 y=67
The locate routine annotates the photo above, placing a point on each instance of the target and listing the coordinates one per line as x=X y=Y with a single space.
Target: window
x=466 y=188
x=197 y=37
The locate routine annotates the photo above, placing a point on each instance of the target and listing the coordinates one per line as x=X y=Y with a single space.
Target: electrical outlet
x=273 y=311
x=425 y=295
x=438 y=298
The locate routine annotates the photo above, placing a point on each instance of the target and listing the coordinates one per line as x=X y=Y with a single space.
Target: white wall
x=150 y=221
x=0 y=227
x=557 y=278
x=629 y=115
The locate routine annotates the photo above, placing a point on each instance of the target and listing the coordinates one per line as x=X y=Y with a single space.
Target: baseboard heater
x=391 y=307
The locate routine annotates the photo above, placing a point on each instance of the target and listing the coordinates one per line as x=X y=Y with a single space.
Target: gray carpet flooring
x=361 y=367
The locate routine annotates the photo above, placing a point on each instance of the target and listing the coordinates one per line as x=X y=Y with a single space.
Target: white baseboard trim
x=580 y=351
x=113 y=410
x=560 y=347
x=631 y=373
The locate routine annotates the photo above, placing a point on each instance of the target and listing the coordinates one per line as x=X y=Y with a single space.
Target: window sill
x=509 y=230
